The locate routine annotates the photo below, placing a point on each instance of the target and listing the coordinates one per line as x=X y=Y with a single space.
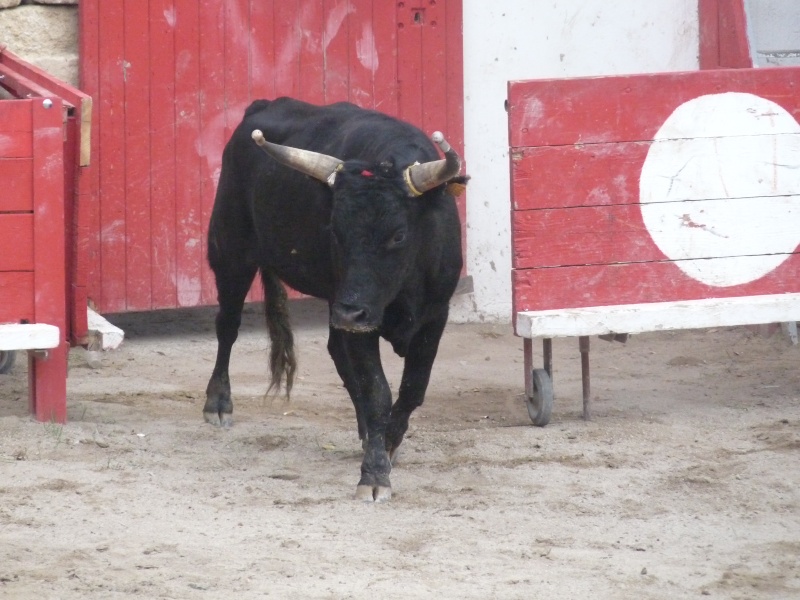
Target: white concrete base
x=33 y=336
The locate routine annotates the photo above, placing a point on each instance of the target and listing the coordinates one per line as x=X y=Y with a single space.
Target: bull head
x=419 y=178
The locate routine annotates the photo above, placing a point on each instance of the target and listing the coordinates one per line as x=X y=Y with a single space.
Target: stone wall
x=43 y=32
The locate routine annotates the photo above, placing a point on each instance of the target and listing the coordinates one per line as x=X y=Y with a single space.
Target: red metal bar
x=583 y=344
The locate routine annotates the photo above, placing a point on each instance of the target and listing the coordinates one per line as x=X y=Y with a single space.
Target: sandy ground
x=685 y=484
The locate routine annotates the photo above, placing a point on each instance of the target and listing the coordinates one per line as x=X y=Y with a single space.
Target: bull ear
x=317 y=165
x=421 y=178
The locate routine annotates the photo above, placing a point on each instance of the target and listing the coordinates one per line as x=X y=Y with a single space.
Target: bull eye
x=397 y=239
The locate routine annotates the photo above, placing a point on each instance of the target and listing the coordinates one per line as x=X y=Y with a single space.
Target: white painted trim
x=102 y=334
x=28 y=336
x=659 y=316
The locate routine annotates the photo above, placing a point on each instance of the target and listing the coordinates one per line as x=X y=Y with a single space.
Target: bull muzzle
x=354 y=318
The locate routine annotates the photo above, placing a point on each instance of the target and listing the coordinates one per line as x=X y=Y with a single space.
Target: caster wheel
x=540 y=403
x=7 y=360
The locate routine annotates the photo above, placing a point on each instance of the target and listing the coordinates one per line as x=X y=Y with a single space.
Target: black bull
x=355 y=207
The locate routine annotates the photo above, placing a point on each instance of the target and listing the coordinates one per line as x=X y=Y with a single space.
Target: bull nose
x=351 y=317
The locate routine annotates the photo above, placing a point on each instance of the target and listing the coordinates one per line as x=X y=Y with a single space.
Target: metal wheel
x=540 y=403
x=7 y=359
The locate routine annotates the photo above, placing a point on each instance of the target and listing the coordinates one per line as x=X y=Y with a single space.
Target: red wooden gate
x=676 y=206
x=673 y=187
x=171 y=78
x=32 y=251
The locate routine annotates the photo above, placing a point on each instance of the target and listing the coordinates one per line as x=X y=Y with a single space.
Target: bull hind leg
x=233 y=282
x=419 y=360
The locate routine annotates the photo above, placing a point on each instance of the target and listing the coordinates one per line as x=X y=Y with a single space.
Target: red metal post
x=48 y=378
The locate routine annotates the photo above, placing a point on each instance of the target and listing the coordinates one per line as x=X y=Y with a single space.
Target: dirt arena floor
x=686 y=483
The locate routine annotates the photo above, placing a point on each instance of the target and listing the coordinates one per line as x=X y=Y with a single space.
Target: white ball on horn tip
x=257 y=136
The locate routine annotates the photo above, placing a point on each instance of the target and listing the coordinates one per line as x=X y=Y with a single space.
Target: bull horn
x=317 y=165
x=424 y=177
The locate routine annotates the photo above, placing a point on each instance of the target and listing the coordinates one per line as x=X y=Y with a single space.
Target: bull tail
x=282 y=362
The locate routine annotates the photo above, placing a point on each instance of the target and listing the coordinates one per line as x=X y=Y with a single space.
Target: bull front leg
x=419 y=359
x=364 y=354
x=338 y=351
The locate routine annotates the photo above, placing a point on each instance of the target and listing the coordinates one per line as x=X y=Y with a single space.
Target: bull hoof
x=218 y=419
x=377 y=493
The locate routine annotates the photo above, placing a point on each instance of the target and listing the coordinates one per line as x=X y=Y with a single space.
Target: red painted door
x=170 y=80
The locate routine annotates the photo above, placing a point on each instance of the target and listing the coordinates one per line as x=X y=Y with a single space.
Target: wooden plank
x=47 y=384
x=217 y=22
x=384 y=27
x=410 y=23
x=311 y=57
x=235 y=74
x=189 y=228
x=708 y=19
x=604 y=174
x=163 y=20
x=28 y=336
x=69 y=93
x=138 y=268
x=15 y=117
x=433 y=67
x=16 y=296
x=336 y=42
x=454 y=81
x=236 y=77
x=82 y=245
x=587 y=175
x=111 y=141
x=617 y=233
x=15 y=144
x=579 y=236
x=20 y=86
x=78 y=324
x=659 y=316
x=262 y=50
x=47 y=379
x=638 y=283
x=734 y=47
x=17 y=177
x=48 y=215
x=103 y=335
x=15 y=129
x=628 y=108
x=71 y=158
x=363 y=55
x=87 y=244
x=16 y=242
x=288 y=39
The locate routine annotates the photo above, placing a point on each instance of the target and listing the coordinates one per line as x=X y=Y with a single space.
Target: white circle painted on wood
x=722 y=181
